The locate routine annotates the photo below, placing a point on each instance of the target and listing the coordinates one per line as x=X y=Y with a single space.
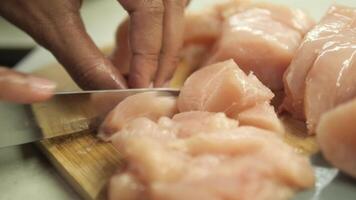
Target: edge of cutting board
x=69 y=163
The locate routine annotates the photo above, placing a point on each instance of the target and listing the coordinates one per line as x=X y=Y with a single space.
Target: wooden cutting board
x=87 y=163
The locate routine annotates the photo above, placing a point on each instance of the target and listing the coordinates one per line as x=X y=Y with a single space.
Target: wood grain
x=87 y=163
x=65 y=114
x=81 y=158
x=84 y=161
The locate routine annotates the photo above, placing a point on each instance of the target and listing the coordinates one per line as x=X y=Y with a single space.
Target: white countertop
x=24 y=171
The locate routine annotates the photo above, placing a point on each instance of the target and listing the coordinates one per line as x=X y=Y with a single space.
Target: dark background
x=9 y=57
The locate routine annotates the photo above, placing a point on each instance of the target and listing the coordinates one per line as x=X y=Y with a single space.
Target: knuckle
x=172 y=56
x=144 y=65
x=88 y=70
x=147 y=56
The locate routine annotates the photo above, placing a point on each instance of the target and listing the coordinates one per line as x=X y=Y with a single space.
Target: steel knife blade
x=65 y=113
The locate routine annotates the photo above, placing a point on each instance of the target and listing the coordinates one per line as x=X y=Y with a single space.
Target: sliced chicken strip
x=262 y=116
x=321 y=36
x=222 y=87
x=331 y=80
x=151 y=105
x=257 y=43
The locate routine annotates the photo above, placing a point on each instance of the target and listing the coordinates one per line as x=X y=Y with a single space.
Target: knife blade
x=65 y=113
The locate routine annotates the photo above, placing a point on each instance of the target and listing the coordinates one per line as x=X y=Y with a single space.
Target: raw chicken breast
x=262 y=116
x=254 y=169
x=202 y=30
x=263 y=40
x=227 y=142
x=144 y=127
x=248 y=180
x=201 y=153
x=182 y=125
x=150 y=104
x=321 y=36
x=202 y=27
x=294 y=18
x=237 y=163
x=331 y=80
x=222 y=87
x=194 y=122
x=154 y=161
x=336 y=135
x=248 y=141
x=205 y=25
x=125 y=186
x=144 y=144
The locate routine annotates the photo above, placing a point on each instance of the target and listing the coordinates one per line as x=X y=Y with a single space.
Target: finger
x=146 y=20
x=121 y=55
x=61 y=30
x=173 y=29
x=82 y=59
x=21 y=88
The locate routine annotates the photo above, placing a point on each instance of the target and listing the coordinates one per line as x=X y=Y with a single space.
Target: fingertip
x=99 y=73
x=41 y=89
x=41 y=85
x=20 y=88
x=172 y=41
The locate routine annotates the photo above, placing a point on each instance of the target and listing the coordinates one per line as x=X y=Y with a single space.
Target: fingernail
x=41 y=85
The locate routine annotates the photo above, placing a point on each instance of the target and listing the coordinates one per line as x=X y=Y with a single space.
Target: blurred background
x=102 y=16
x=14 y=44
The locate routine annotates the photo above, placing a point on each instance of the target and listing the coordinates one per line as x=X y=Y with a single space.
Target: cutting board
x=87 y=163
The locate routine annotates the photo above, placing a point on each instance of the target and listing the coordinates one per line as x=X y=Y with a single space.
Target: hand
x=57 y=25
x=20 y=88
x=156 y=35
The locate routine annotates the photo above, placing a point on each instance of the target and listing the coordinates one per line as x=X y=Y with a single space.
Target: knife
x=65 y=113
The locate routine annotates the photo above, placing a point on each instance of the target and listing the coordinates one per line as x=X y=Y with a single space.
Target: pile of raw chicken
x=221 y=137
